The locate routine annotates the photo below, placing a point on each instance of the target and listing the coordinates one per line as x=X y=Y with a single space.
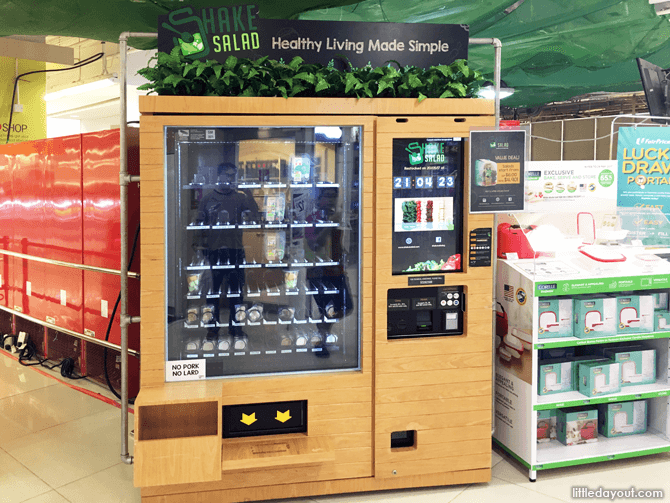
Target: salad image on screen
x=424 y=214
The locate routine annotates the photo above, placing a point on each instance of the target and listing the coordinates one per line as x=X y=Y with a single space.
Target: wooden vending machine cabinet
x=316 y=361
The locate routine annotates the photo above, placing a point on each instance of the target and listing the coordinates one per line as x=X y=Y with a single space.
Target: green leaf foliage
x=172 y=74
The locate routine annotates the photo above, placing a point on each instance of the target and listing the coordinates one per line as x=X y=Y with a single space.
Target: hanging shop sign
x=219 y=32
x=497 y=163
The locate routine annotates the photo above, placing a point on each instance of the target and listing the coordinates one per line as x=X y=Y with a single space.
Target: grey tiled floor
x=58 y=445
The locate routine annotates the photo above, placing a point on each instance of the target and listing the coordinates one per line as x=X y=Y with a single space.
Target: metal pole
x=81 y=267
x=497 y=63
x=124 y=180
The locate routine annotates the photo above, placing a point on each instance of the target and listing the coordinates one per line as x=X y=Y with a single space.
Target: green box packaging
x=635 y=314
x=555 y=377
x=546 y=425
x=595 y=317
x=619 y=419
x=661 y=321
x=661 y=301
x=577 y=425
x=637 y=366
x=599 y=378
x=554 y=318
x=577 y=360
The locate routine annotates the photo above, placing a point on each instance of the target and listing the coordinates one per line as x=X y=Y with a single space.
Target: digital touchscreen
x=427 y=205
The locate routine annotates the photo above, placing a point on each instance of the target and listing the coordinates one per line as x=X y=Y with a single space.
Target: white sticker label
x=512 y=256
x=29 y=288
x=0 y=280
x=210 y=134
x=104 y=309
x=63 y=298
x=185 y=370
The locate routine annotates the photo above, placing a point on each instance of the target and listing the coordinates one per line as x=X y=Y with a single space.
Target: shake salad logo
x=223 y=30
x=193 y=44
x=425 y=152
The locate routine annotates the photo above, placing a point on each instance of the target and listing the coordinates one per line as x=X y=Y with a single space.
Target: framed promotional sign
x=497 y=164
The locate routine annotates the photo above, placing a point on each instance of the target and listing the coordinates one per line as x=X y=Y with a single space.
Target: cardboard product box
x=577 y=425
x=625 y=418
x=546 y=425
x=577 y=360
x=661 y=321
x=661 y=301
x=555 y=377
x=595 y=317
x=554 y=318
x=637 y=366
x=635 y=314
x=599 y=378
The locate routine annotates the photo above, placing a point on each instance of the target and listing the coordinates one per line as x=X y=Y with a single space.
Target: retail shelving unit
x=522 y=285
x=376 y=400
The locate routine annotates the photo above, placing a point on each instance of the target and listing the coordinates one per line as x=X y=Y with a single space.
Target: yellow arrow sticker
x=248 y=420
x=282 y=417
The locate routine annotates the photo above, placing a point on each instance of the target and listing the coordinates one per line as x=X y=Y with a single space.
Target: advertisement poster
x=563 y=186
x=497 y=171
x=643 y=157
x=427 y=204
x=31 y=122
x=237 y=30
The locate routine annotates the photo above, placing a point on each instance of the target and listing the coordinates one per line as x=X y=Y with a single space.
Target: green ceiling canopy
x=552 y=49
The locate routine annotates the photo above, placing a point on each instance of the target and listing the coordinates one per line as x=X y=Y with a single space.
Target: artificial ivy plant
x=173 y=74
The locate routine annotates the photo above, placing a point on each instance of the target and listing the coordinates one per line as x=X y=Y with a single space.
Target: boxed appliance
x=555 y=377
x=661 y=321
x=595 y=317
x=577 y=425
x=546 y=425
x=599 y=378
x=554 y=318
x=637 y=366
x=577 y=360
x=619 y=419
x=635 y=314
x=661 y=301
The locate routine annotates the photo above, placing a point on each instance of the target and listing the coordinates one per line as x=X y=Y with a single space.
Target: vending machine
x=316 y=301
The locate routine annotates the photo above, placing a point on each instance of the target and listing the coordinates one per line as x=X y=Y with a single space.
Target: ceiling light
x=90 y=86
x=488 y=91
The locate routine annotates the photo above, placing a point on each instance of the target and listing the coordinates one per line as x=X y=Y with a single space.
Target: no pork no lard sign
x=219 y=32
